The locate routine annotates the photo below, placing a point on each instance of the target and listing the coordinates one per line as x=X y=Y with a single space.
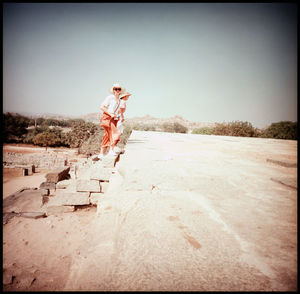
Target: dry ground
x=47 y=244
x=47 y=253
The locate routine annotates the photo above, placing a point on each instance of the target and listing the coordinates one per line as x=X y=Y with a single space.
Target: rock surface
x=181 y=212
x=194 y=212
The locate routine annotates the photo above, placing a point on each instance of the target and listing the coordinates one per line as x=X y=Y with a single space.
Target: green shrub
x=28 y=138
x=51 y=122
x=92 y=144
x=179 y=128
x=74 y=122
x=203 y=131
x=236 y=128
x=168 y=127
x=281 y=130
x=55 y=122
x=174 y=128
x=44 y=136
x=40 y=121
x=144 y=127
x=46 y=139
x=81 y=132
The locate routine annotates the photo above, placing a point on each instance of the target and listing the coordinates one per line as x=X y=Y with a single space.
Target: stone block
x=59 y=209
x=48 y=185
x=84 y=173
x=100 y=173
x=63 y=184
x=95 y=197
x=72 y=186
x=88 y=186
x=63 y=197
x=110 y=160
x=52 y=192
x=58 y=175
x=104 y=186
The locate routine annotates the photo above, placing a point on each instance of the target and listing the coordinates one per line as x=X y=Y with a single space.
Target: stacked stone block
x=63 y=192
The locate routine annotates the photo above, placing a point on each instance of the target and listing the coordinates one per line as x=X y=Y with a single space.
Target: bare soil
x=47 y=244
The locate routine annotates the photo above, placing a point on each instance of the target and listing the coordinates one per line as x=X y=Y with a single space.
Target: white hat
x=116 y=86
x=124 y=95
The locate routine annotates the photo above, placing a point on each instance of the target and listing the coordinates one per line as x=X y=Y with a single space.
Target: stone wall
x=45 y=160
x=21 y=170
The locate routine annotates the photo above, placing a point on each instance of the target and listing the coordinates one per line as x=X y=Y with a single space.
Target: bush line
x=86 y=136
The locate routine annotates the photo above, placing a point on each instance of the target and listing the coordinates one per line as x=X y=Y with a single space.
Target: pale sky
x=208 y=62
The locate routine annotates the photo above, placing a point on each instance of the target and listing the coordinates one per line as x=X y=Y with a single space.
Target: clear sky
x=208 y=62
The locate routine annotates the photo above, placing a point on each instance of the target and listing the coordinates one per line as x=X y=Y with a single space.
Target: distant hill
x=150 y=120
x=145 y=120
x=159 y=121
x=91 y=117
x=44 y=115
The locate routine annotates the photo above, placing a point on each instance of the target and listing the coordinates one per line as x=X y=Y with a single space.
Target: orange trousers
x=111 y=135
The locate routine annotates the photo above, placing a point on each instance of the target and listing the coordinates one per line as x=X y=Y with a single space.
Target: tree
x=179 y=128
x=46 y=139
x=81 y=132
x=174 y=128
x=15 y=126
x=281 y=130
x=40 y=121
x=236 y=128
x=51 y=122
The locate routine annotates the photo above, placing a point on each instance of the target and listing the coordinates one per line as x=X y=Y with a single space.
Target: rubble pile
x=85 y=183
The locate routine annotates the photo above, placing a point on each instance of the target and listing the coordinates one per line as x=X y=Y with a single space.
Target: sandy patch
x=47 y=245
x=12 y=184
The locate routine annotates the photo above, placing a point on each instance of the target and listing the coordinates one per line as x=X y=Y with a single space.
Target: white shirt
x=111 y=103
x=123 y=104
